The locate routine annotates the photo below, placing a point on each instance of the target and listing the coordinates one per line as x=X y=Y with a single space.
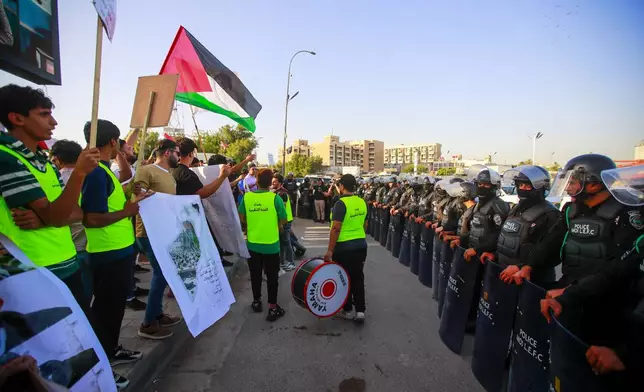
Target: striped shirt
x=18 y=187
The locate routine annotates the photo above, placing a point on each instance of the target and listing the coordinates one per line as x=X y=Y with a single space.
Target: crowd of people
x=74 y=211
x=596 y=238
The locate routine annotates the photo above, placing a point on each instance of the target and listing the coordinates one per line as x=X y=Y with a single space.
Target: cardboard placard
x=164 y=88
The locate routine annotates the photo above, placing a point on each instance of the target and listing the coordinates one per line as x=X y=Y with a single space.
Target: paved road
x=398 y=348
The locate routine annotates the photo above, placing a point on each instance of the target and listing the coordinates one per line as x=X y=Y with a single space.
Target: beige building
x=639 y=151
x=405 y=154
x=367 y=154
x=299 y=147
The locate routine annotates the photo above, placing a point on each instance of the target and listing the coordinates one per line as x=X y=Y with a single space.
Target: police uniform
x=485 y=225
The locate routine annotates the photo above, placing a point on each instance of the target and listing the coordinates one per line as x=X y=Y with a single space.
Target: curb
x=147 y=369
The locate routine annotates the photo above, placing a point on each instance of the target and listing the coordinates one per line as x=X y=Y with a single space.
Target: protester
x=64 y=154
x=156 y=177
x=348 y=244
x=287 y=262
x=250 y=181
x=110 y=245
x=35 y=211
x=264 y=215
x=123 y=166
x=188 y=183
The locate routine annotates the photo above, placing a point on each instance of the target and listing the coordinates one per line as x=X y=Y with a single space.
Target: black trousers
x=353 y=262
x=270 y=264
x=111 y=283
x=74 y=283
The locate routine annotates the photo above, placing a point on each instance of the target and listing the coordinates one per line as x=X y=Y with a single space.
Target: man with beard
x=595 y=233
x=527 y=223
x=124 y=160
x=156 y=177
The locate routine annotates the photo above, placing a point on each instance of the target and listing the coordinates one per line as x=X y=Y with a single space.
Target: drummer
x=348 y=244
x=264 y=215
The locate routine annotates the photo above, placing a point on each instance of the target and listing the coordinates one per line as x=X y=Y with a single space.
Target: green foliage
x=526 y=162
x=446 y=171
x=240 y=142
x=301 y=165
x=422 y=169
x=151 y=140
x=554 y=167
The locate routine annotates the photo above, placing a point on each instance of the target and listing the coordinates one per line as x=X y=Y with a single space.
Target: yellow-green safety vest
x=354 y=218
x=261 y=217
x=48 y=245
x=289 y=210
x=119 y=234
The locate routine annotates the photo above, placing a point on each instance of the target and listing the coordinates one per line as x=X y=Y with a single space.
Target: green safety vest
x=354 y=217
x=119 y=234
x=45 y=246
x=261 y=217
x=289 y=210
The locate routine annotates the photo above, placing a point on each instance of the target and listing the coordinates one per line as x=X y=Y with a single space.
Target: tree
x=554 y=167
x=421 y=169
x=446 y=171
x=301 y=165
x=315 y=163
x=151 y=140
x=527 y=162
x=233 y=141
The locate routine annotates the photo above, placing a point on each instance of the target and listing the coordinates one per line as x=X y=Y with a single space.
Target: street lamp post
x=534 y=138
x=288 y=98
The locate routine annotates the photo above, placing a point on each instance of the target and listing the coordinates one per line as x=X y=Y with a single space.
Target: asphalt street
x=397 y=349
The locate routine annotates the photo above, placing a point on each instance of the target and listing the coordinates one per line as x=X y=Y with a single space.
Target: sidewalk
x=156 y=353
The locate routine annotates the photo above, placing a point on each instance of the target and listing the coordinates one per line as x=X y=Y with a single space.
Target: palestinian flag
x=206 y=83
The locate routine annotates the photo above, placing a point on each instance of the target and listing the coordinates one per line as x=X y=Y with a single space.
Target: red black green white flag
x=206 y=83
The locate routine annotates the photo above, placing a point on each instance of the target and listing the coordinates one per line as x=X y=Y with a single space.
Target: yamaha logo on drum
x=321 y=288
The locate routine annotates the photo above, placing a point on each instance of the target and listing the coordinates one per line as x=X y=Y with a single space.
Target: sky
x=477 y=76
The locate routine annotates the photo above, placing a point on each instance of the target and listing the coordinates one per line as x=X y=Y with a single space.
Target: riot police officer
x=596 y=232
x=425 y=200
x=290 y=184
x=453 y=209
x=406 y=198
x=465 y=194
x=392 y=197
x=488 y=216
x=622 y=356
x=525 y=226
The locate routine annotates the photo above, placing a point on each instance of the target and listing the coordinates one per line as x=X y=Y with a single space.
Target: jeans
x=271 y=265
x=286 y=249
x=154 y=309
x=111 y=281
x=353 y=262
x=294 y=241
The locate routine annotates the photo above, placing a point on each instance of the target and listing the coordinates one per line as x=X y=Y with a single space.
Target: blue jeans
x=157 y=284
x=286 y=250
x=295 y=242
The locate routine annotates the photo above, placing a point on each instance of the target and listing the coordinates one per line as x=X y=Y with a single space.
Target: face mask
x=484 y=192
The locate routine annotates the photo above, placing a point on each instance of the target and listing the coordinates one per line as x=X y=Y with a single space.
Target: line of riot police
x=553 y=296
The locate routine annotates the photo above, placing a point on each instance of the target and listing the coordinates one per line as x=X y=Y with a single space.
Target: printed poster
x=186 y=252
x=40 y=317
x=221 y=212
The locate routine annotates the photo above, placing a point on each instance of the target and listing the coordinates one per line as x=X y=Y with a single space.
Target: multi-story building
x=639 y=151
x=406 y=154
x=366 y=154
x=299 y=147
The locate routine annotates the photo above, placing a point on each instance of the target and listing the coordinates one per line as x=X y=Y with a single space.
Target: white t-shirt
x=250 y=183
x=115 y=169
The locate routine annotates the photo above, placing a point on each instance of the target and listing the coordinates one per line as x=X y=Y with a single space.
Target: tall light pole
x=534 y=138
x=288 y=98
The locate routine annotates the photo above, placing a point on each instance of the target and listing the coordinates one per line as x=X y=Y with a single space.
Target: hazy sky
x=476 y=76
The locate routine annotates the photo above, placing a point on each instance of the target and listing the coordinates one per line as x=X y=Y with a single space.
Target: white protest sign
x=188 y=257
x=106 y=10
x=221 y=212
x=39 y=317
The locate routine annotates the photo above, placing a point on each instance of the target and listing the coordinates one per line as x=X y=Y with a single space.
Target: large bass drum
x=319 y=287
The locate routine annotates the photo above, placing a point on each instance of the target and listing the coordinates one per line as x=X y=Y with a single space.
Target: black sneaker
x=226 y=263
x=140 y=292
x=257 y=306
x=120 y=381
x=136 y=304
x=123 y=355
x=139 y=269
x=275 y=313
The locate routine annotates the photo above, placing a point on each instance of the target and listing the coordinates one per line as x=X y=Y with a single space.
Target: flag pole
x=144 y=131
x=97 y=82
x=194 y=121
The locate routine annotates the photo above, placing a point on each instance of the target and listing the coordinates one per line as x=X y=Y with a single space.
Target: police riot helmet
x=536 y=176
x=581 y=171
x=464 y=190
x=626 y=184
